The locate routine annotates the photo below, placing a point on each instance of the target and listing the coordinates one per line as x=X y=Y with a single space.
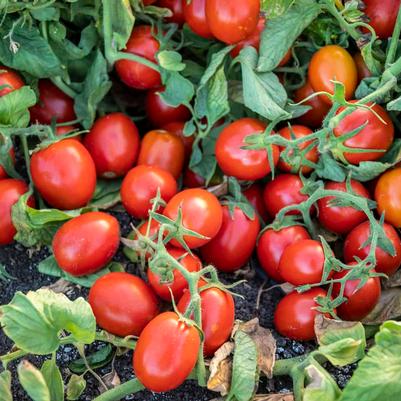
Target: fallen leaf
x=111 y=380
x=274 y=397
x=324 y=324
x=392 y=281
x=388 y=307
x=61 y=286
x=220 y=369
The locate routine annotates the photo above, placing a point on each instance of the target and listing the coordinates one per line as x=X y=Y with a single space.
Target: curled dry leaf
x=220 y=369
x=324 y=325
x=392 y=281
x=388 y=307
x=61 y=286
x=220 y=189
x=246 y=273
x=111 y=380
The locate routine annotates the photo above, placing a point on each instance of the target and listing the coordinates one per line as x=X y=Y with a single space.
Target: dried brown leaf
x=220 y=369
x=111 y=380
x=392 y=281
x=388 y=307
x=61 y=286
x=267 y=397
x=324 y=324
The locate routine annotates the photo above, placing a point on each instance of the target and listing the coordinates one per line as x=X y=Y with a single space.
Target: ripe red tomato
x=375 y=135
x=201 y=212
x=178 y=284
x=332 y=63
x=218 y=316
x=254 y=194
x=232 y=247
x=252 y=40
x=362 y=68
x=271 y=245
x=176 y=7
x=177 y=128
x=382 y=16
x=113 y=143
x=283 y=191
x=122 y=303
x=360 y=302
x=10 y=191
x=134 y=74
x=53 y=103
x=195 y=17
x=295 y=314
x=240 y=163
x=162 y=149
x=385 y=263
x=337 y=219
x=64 y=174
x=166 y=352
x=313 y=117
x=10 y=80
x=193 y=180
x=86 y=243
x=3 y=173
x=232 y=21
x=160 y=113
x=388 y=196
x=296 y=132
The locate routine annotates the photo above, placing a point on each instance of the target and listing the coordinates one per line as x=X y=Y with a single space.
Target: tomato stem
x=121 y=391
x=394 y=41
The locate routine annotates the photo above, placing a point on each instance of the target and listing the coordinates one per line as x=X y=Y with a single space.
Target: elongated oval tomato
x=201 y=212
x=254 y=194
x=122 y=303
x=232 y=21
x=10 y=191
x=233 y=245
x=176 y=7
x=195 y=17
x=218 y=314
x=243 y=164
x=382 y=16
x=86 y=243
x=64 y=174
x=178 y=283
x=166 y=352
x=3 y=173
x=10 y=79
x=177 y=128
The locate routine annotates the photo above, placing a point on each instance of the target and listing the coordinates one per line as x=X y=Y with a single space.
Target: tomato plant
x=9 y=81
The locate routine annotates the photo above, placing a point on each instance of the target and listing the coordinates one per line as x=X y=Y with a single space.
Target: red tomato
x=195 y=17
x=332 y=63
x=283 y=191
x=10 y=80
x=254 y=194
x=271 y=245
x=295 y=314
x=162 y=149
x=176 y=7
x=148 y=2
x=166 y=352
x=382 y=16
x=3 y=173
x=360 y=302
x=385 y=263
x=375 y=135
x=218 y=314
x=177 y=128
x=53 y=104
x=134 y=74
x=160 y=113
x=113 y=143
x=232 y=247
x=296 y=132
x=86 y=243
x=201 y=212
x=65 y=129
x=178 y=284
x=64 y=174
x=232 y=21
x=362 y=68
x=193 y=180
x=10 y=191
x=337 y=219
x=240 y=163
x=123 y=304
x=252 y=40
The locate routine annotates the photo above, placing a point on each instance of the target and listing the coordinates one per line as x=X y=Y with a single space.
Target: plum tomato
x=341 y=220
x=3 y=173
x=177 y=128
x=243 y=164
x=201 y=212
x=382 y=16
x=233 y=245
x=166 y=352
x=193 y=180
x=385 y=263
x=362 y=68
x=252 y=40
x=254 y=194
x=64 y=174
x=86 y=243
x=176 y=7
x=9 y=81
x=195 y=17
x=122 y=303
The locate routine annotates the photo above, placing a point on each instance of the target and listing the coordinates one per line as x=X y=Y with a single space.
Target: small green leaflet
x=275 y=8
x=107 y=194
x=179 y=90
x=33 y=382
x=170 y=60
x=96 y=360
x=51 y=374
x=75 y=387
x=5 y=386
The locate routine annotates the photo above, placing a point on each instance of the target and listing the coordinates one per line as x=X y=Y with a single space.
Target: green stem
x=123 y=390
x=138 y=59
x=62 y=86
x=394 y=41
x=116 y=341
x=284 y=367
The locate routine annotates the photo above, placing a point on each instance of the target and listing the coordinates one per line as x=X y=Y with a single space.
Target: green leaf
x=96 y=360
x=330 y=169
x=46 y=14
x=170 y=60
x=179 y=90
x=394 y=105
x=33 y=382
x=107 y=194
x=5 y=386
x=75 y=387
x=367 y=171
x=52 y=376
x=275 y=8
x=388 y=307
x=34 y=321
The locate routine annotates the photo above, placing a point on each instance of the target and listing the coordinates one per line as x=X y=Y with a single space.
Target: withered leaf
x=388 y=307
x=221 y=369
x=324 y=325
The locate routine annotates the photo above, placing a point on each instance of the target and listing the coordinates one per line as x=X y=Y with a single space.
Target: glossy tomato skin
x=385 y=263
x=179 y=284
x=176 y=7
x=295 y=314
x=201 y=212
x=382 y=16
x=193 y=180
x=160 y=113
x=388 y=196
x=233 y=245
x=10 y=80
x=218 y=314
x=162 y=149
x=64 y=174
x=362 y=68
x=134 y=74
x=53 y=103
x=252 y=40
x=177 y=128
x=3 y=173
x=243 y=164
x=232 y=21
x=86 y=243
x=296 y=132
x=341 y=220
x=166 y=353
x=10 y=191
x=122 y=303
x=360 y=302
x=375 y=135
x=254 y=194
x=332 y=63
x=195 y=17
